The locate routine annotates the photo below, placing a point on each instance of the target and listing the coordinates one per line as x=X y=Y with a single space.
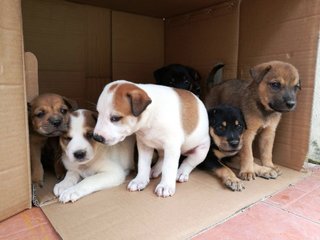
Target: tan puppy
x=271 y=92
x=48 y=117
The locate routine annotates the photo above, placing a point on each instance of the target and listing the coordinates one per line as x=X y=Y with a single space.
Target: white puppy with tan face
x=91 y=166
x=173 y=121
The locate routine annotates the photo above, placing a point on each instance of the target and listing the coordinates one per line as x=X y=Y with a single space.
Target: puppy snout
x=80 y=154
x=290 y=104
x=55 y=121
x=234 y=143
x=98 y=138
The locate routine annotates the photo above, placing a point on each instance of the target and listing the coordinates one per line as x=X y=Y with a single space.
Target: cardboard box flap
x=197 y=205
x=160 y=9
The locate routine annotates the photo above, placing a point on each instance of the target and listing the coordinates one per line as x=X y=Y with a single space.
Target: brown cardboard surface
x=203 y=38
x=160 y=9
x=197 y=205
x=137 y=46
x=73 y=45
x=14 y=163
x=31 y=75
x=291 y=35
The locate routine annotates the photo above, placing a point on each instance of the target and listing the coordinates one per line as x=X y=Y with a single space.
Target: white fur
x=158 y=127
x=104 y=167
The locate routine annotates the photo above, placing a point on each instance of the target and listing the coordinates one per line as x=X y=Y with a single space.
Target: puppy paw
x=137 y=184
x=70 y=195
x=37 y=178
x=267 y=173
x=235 y=184
x=60 y=187
x=182 y=177
x=165 y=190
x=155 y=172
x=248 y=176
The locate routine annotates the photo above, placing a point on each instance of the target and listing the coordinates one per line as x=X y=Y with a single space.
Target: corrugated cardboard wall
x=72 y=44
x=14 y=164
x=285 y=30
x=137 y=46
x=203 y=38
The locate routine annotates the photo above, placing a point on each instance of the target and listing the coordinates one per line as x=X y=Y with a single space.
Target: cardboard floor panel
x=197 y=205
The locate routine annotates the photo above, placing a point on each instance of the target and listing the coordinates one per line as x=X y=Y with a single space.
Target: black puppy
x=179 y=76
x=226 y=127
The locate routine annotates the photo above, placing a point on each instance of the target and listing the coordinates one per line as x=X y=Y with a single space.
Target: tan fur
x=229 y=178
x=189 y=110
x=49 y=105
x=253 y=98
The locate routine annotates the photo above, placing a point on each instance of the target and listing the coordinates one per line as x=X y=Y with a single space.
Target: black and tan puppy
x=226 y=127
x=179 y=76
x=48 y=117
x=271 y=92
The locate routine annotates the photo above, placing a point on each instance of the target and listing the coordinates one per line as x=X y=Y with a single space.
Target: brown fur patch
x=113 y=87
x=189 y=110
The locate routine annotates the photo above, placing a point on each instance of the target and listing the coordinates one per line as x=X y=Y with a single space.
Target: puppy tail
x=215 y=75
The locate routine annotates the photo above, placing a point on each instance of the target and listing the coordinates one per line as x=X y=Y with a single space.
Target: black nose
x=234 y=143
x=290 y=104
x=98 y=138
x=80 y=154
x=55 y=121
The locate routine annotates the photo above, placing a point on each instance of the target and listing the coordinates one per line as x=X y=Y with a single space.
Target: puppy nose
x=80 y=154
x=234 y=143
x=290 y=104
x=98 y=138
x=55 y=121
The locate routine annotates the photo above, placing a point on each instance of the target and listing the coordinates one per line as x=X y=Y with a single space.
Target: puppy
x=226 y=127
x=179 y=76
x=173 y=125
x=271 y=92
x=91 y=166
x=48 y=117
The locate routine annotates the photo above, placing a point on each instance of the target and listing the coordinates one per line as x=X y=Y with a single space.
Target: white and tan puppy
x=172 y=121
x=91 y=166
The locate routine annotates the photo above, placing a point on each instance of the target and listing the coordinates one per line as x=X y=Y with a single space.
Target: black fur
x=179 y=76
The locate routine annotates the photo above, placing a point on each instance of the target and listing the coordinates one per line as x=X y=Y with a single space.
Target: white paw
x=182 y=177
x=165 y=190
x=60 y=187
x=137 y=184
x=70 y=195
x=155 y=172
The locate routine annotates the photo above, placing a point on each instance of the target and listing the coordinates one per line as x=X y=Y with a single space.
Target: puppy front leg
x=266 y=146
x=36 y=165
x=167 y=185
x=92 y=184
x=71 y=179
x=144 y=166
x=246 y=157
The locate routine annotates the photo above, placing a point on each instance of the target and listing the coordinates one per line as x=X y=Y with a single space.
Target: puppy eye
x=40 y=114
x=63 y=110
x=221 y=128
x=186 y=82
x=89 y=135
x=115 y=118
x=239 y=127
x=297 y=87
x=67 y=139
x=275 y=85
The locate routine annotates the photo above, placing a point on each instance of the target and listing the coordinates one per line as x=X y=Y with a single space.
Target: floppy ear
x=71 y=104
x=211 y=114
x=258 y=72
x=194 y=74
x=139 y=100
x=243 y=119
x=158 y=74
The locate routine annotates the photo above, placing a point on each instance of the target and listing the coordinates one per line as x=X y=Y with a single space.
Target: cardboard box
x=82 y=47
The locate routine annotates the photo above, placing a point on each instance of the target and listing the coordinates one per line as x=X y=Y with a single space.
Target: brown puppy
x=48 y=117
x=271 y=92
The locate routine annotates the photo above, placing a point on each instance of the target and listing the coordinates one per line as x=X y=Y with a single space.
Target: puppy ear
x=243 y=119
x=258 y=72
x=158 y=74
x=211 y=114
x=71 y=104
x=194 y=74
x=94 y=115
x=139 y=100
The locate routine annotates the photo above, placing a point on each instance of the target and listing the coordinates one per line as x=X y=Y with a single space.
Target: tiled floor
x=291 y=214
